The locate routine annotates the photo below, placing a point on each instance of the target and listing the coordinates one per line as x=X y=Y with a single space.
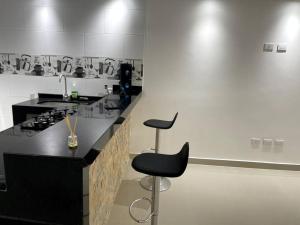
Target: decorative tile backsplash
x=72 y=66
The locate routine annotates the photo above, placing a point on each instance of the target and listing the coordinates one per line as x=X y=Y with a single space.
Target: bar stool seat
x=165 y=183
x=162 y=165
x=157 y=166
x=160 y=124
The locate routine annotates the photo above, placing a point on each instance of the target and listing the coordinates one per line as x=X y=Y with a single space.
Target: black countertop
x=94 y=122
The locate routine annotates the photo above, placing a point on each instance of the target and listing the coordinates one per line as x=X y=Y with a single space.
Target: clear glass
x=72 y=141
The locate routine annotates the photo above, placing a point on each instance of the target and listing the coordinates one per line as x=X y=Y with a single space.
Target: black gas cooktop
x=46 y=120
x=39 y=123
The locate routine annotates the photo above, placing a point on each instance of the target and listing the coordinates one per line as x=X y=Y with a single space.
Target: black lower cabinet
x=42 y=190
x=11 y=221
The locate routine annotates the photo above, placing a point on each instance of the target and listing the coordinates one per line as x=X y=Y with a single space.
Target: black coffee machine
x=125 y=83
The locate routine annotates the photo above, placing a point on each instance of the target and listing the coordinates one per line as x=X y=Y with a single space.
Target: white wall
x=109 y=28
x=204 y=59
x=18 y=88
x=101 y=28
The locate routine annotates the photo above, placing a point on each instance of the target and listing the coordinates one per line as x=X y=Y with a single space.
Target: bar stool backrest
x=183 y=157
x=175 y=117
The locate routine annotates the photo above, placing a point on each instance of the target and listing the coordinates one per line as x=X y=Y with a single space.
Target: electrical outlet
x=267 y=142
x=255 y=142
x=278 y=145
x=268 y=47
x=267 y=145
x=279 y=142
x=282 y=48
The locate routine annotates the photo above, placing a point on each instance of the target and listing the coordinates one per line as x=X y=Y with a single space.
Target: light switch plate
x=255 y=142
x=282 y=48
x=267 y=141
x=279 y=142
x=268 y=47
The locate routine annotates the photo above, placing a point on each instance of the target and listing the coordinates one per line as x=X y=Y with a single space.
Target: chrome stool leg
x=146 y=182
x=157 y=136
x=160 y=165
x=154 y=201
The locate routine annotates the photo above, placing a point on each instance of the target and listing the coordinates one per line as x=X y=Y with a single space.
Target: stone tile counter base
x=106 y=174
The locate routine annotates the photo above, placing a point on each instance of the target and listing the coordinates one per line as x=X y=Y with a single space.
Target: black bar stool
x=157 y=166
x=165 y=183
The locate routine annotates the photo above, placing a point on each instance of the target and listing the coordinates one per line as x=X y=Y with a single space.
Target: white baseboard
x=241 y=163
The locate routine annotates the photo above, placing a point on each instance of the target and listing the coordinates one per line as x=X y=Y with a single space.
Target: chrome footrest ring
x=131 y=213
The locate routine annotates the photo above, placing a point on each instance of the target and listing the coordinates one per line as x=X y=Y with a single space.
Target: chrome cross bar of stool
x=147 y=181
x=155 y=199
x=157 y=166
x=165 y=183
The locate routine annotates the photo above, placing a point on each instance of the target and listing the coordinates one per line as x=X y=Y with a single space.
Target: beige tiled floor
x=208 y=195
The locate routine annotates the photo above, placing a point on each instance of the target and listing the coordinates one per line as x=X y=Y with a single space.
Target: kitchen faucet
x=66 y=92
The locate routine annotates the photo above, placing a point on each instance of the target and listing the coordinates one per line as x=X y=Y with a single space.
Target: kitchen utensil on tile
x=91 y=66
x=45 y=63
x=36 y=59
x=79 y=72
x=18 y=64
x=1 y=68
x=77 y=61
x=67 y=61
x=15 y=69
x=109 y=66
x=38 y=70
x=55 y=71
x=26 y=65
x=68 y=68
x=133 y=67
x=59 y=64
x=2 y=60
x=8 y=60
x=100 y=68
x=110 y=70
x=49 y=64
x=26 y=59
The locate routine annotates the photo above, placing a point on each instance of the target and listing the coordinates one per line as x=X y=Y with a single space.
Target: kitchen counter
x=93 y=123
x=39 y=160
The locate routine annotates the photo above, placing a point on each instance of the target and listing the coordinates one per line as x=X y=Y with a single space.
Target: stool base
x=146 y=183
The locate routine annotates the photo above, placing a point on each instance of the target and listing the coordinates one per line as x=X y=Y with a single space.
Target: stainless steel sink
x=58 y=103
x=58 y=100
